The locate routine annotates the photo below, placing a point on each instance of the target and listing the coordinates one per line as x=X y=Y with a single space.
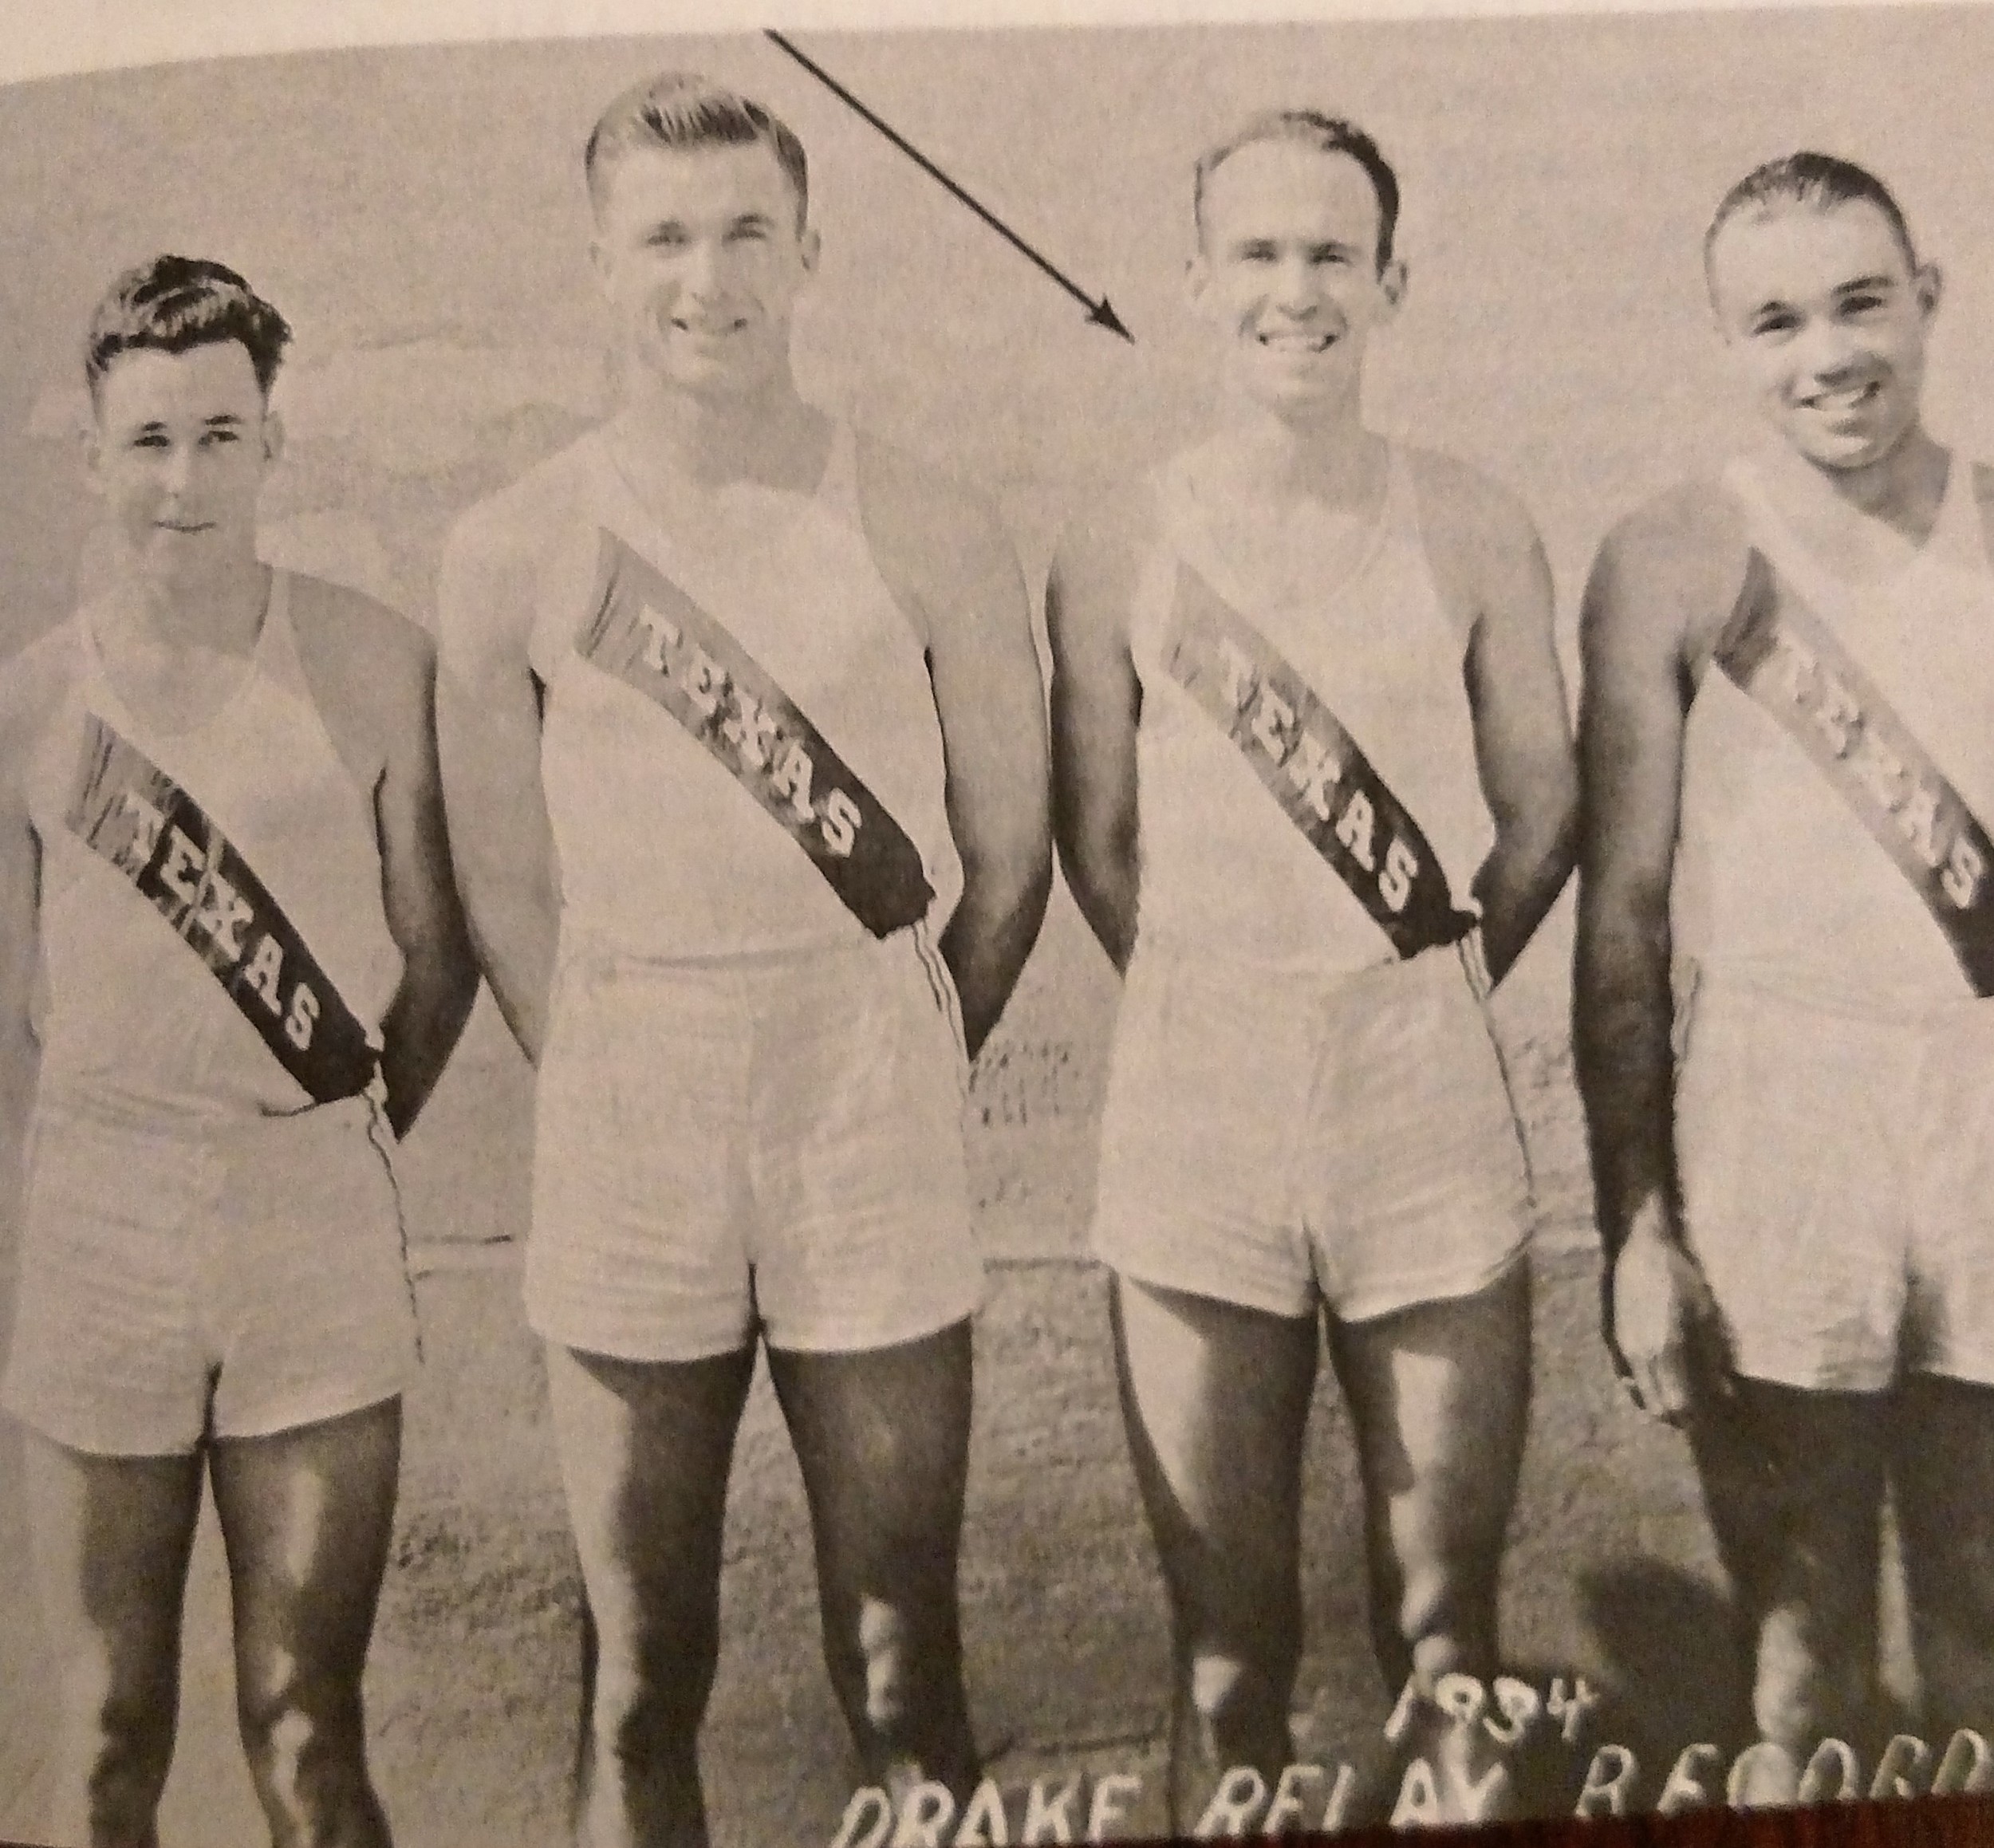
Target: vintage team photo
x=980 y=936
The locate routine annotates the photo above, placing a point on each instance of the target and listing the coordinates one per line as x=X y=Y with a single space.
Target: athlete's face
x=701 y=256
x=1286 y=273
x=178 y=446
x=1828 y=316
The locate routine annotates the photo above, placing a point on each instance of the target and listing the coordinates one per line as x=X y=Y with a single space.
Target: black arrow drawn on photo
x=1099 y=313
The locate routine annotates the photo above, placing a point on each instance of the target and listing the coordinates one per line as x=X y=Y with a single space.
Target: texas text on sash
x=1791 y=664
x=651 y=636
x=1312 y=767
x=133 y=814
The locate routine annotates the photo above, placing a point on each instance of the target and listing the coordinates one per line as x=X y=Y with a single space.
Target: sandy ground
x=473 y=1679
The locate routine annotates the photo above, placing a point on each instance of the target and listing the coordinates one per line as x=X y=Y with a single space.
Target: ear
x=599 y=261
x=1197 y=280
x=1928 y=284
x=1392 y=281
x=90 y=444
x=811 y=247
x=273 y=437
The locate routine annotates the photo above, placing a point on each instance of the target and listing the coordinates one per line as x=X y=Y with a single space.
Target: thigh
x=1439 y=1395
x=644 y=1449
x=1793 y=1481
x=306 y=1517
x=883 y=1441
x=110 y=1538
x=1216 y=1399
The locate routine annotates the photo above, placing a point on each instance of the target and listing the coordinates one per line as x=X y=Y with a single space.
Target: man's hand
x=1661 y=1322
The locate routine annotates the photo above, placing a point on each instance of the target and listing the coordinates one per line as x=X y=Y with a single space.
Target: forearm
x=1103 y=875
x=421 y=1029
x=1623 y=1009
x=514 y=917
x=988 y=939
x=18 y=1064
x=1518 y=884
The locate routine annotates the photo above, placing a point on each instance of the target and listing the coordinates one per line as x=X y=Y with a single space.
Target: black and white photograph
x=1063 y=929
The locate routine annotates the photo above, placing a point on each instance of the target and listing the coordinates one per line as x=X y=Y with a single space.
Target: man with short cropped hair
x=1314 y=791
x=1785 y=948
x=745 y=751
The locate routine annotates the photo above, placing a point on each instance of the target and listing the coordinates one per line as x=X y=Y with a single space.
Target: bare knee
x=650 y=1696
x=306 y=1741
x=117 y=1745
x=1809 y=1682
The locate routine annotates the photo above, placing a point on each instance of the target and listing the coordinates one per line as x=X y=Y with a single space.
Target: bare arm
x=1097 y=700
x=488 y=746
x=1516 y=692
x=1658 y=585
x=440 y=977
x=947 y=556
x=20 y=885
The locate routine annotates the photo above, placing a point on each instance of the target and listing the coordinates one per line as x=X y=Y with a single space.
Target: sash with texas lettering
x=1312 y=767
x=651 y=636
x=1791 y=664
x=131 y=814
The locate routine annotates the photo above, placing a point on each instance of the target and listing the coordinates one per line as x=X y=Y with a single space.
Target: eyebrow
x=1870 y=282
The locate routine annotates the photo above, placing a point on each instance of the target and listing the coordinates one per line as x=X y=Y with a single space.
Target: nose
x=700 y=274
x=1294 y=283
x=1827 y=350
x=176 y=470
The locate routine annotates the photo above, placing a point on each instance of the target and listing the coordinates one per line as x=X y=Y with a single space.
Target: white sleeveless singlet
x=1777 y=881
x=133 y=1024
x=662 y=855
x=1225 y=875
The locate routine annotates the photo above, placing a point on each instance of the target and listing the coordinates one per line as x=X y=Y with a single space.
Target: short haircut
x=1820 y=182
x=173 y=303
x=1326 y=135
x=680 y=111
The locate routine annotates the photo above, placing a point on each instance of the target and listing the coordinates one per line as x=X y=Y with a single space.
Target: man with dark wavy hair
x=232 y=964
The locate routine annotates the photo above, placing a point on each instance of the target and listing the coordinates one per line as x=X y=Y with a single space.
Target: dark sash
x=649 y=634
x=1312 y=768
x=1791 y=664
x=131 y=814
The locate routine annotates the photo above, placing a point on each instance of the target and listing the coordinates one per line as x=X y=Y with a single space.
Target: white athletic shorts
x=1837 y=1167
x=1279 y=1142
x=770 y=1144
x=179 y=1282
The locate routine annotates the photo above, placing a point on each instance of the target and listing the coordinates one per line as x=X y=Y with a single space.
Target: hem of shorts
x=93 y=1442
x=1188 y=1281
x=918 y=1328
x=301 y=1415
x=1436 y=1286
x=1771 y=1372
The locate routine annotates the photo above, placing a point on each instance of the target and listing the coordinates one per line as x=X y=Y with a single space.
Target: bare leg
x=1440 y=1397
x=645 y=1447
x=111 y=1536
x=1216 y=1401
x=306 y=1518
x=883 y=1438
x=1793 y=1483
x=1942 y=1469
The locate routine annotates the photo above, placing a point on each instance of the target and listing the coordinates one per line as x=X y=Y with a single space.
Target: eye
x=149 y=439
x=1772 y=325
x=222 y=436
x=1332 y=254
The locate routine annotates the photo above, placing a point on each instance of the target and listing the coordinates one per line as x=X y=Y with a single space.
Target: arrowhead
x=1105 y=315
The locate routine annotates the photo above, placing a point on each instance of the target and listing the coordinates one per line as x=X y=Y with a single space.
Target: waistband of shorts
x=1298 y=983
x=1801 y=991
x=595 y=960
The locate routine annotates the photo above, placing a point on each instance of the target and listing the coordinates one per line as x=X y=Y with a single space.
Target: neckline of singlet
x=1180 y=491
x=836 y=489
x=1788 y=552
x=271 y=633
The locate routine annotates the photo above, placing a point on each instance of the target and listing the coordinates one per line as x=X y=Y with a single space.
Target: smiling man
x=1788 y=734
x=1314 y=789
x=744 y=748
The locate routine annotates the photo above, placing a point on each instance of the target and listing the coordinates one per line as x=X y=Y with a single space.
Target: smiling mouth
x=706 y=329
x=185 y=525
x=1295 y=340
x=1850 y=398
